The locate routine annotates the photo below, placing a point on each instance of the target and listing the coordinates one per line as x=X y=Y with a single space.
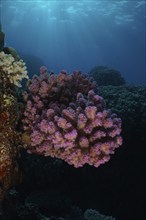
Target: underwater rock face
x=2 y=36
x=65 y=119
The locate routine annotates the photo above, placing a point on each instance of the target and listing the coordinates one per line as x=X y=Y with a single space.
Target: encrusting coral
x=10 y=139
x=65 y=119
x=11 y=74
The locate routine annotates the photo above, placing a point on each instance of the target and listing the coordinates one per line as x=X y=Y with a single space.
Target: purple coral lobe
x=67 y=120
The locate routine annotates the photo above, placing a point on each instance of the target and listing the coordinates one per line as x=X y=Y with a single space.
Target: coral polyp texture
x=11 y=71
x=65 y=119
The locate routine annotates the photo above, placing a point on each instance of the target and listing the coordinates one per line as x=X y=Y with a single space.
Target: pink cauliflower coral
x=66 y=119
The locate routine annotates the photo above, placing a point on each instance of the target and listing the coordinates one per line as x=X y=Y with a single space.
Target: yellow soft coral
x=12 y=70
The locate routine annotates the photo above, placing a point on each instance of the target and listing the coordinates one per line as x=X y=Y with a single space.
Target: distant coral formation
x=64 y=118
x=106 y=76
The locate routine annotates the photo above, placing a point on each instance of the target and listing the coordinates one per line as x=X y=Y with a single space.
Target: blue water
x=79 y=34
